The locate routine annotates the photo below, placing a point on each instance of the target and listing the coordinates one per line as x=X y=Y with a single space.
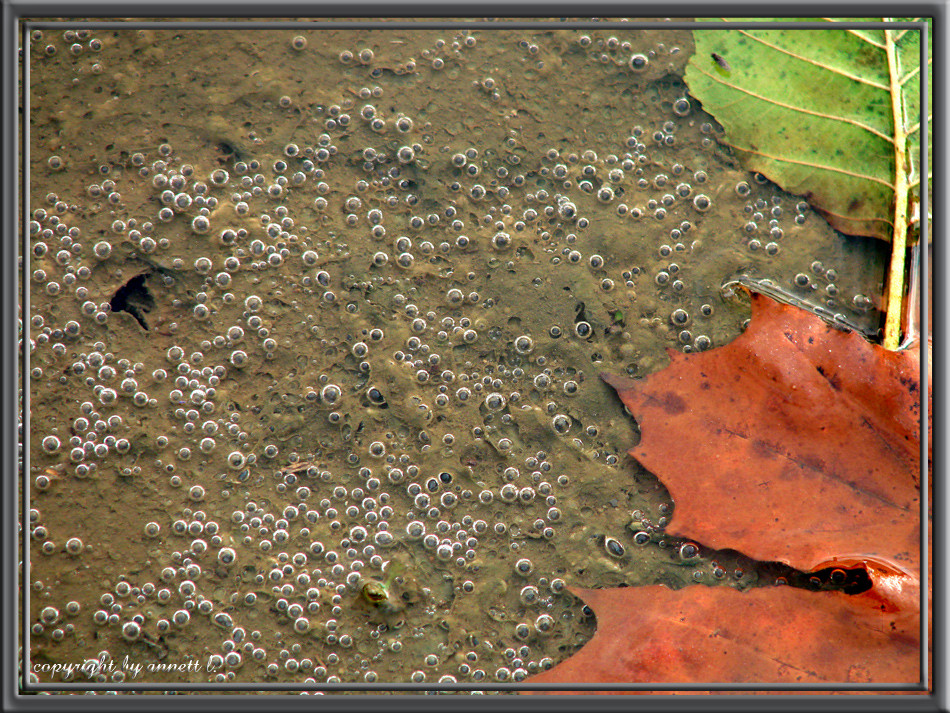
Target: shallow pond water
x=315 y=330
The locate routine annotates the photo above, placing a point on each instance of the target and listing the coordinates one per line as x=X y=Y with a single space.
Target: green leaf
x=814 y=111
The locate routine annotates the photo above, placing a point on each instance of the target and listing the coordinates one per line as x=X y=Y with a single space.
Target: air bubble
x=639 y=62
x=613 y=547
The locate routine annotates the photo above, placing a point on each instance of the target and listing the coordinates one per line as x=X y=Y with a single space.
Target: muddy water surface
x=315 y=324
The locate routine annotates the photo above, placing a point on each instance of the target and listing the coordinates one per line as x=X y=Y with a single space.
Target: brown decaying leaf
x=798 y=443
x=795 y=442
x=776 y=635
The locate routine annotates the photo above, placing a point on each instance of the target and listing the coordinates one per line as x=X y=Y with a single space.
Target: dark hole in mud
x=133 y=297
x=229 y=152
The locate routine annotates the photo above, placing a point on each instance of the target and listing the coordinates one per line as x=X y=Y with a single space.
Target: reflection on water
x=316 y=324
